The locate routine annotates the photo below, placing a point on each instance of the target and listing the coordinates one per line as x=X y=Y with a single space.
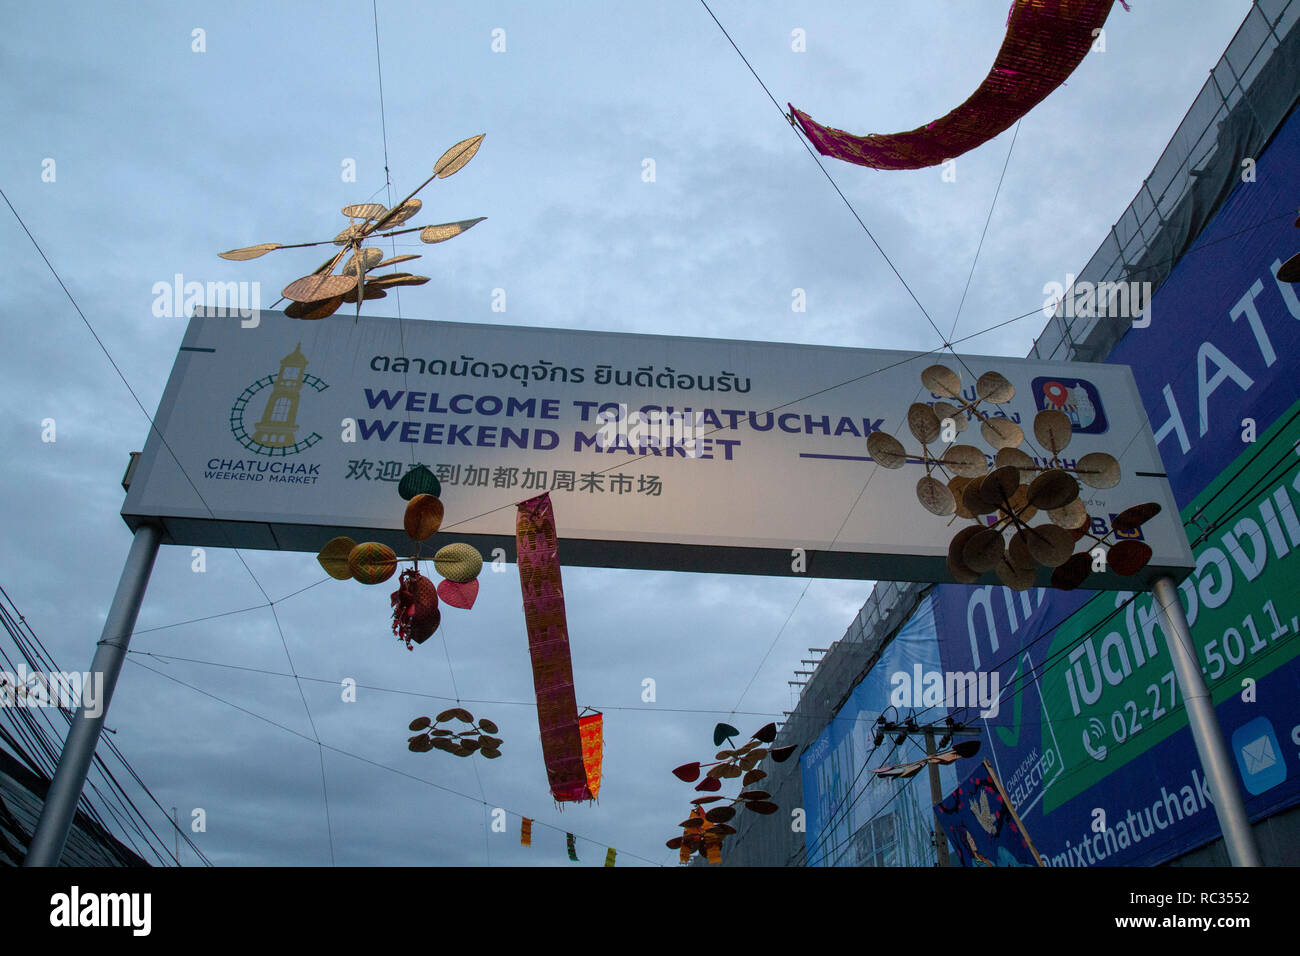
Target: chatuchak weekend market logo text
x=683 y=429
x=655 y=430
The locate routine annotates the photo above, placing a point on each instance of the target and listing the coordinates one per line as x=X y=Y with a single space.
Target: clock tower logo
x=275 y=433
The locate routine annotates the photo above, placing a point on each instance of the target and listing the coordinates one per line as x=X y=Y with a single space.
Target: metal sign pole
x=79 y=748
x=1216 y=764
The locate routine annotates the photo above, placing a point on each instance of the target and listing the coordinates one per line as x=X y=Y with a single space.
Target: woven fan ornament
x=415 y=604
x=705 y=830
x=321 y=294
x=433 y=735
x=1012 y=490
x=419 y=481
x=905 y=771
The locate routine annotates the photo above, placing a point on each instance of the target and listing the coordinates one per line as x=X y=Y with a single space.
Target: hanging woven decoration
x=415 y=608
x=905 y=771
x=459 y=563
x=704 y=830
x=609 y=856
x=591 y=730
x=1045 y=41
x=700 y=833
x=320 y=294
x=1003 y=498
x=526 y=832
x=416 y=614
x=419 y=481
x=430 y=735
x=548 y=644
x=573 y=849
x=372 y=563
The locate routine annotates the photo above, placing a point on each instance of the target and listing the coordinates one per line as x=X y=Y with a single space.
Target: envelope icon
x=1258 y=755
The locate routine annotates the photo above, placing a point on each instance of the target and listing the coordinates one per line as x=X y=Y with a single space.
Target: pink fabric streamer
x=1046 y=40
x=548 y=644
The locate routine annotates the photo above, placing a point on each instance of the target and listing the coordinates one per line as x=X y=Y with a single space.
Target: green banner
x=1109 y=689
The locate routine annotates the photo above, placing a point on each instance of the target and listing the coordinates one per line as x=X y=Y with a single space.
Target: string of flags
x=570 y=842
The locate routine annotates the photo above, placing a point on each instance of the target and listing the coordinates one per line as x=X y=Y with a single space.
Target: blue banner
x=853 y=817
x=1091 y=740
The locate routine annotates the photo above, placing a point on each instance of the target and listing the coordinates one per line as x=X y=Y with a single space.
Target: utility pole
x=936 y=796
x=949 y=729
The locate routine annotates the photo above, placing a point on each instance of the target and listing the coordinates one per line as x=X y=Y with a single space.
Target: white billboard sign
x=285 y=433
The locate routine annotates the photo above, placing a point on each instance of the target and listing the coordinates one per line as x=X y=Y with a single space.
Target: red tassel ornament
x=415 y=608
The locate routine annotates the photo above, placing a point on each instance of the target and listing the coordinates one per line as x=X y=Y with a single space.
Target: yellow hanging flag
x=526 y=833
x=609 y=856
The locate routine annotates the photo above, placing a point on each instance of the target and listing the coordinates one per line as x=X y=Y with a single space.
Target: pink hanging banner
x=548 y=643
x=1045 y=41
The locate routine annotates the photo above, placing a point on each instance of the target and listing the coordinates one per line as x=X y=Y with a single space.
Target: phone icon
x=1096 y=730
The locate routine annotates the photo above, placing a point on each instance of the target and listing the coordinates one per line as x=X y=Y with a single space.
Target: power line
x=242 y=610
x=38 y=658
x=834 y=185
x=1036 y=672
x=911 y=357
x=831 y=822
x=1286 y=456
x=163 y=440
x=979 y=247
x=870 y=235
x=656 y=709
x=989 y=218
x=354 y=756
x=944 y=339
x=841 y=847
x=383 y=122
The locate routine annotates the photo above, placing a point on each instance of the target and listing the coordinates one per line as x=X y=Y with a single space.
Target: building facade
x=1090 y=717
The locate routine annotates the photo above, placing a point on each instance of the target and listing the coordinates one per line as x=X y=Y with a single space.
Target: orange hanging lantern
x=591 y=729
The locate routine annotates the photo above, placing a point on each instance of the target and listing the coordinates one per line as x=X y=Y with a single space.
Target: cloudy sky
x=163 y=156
